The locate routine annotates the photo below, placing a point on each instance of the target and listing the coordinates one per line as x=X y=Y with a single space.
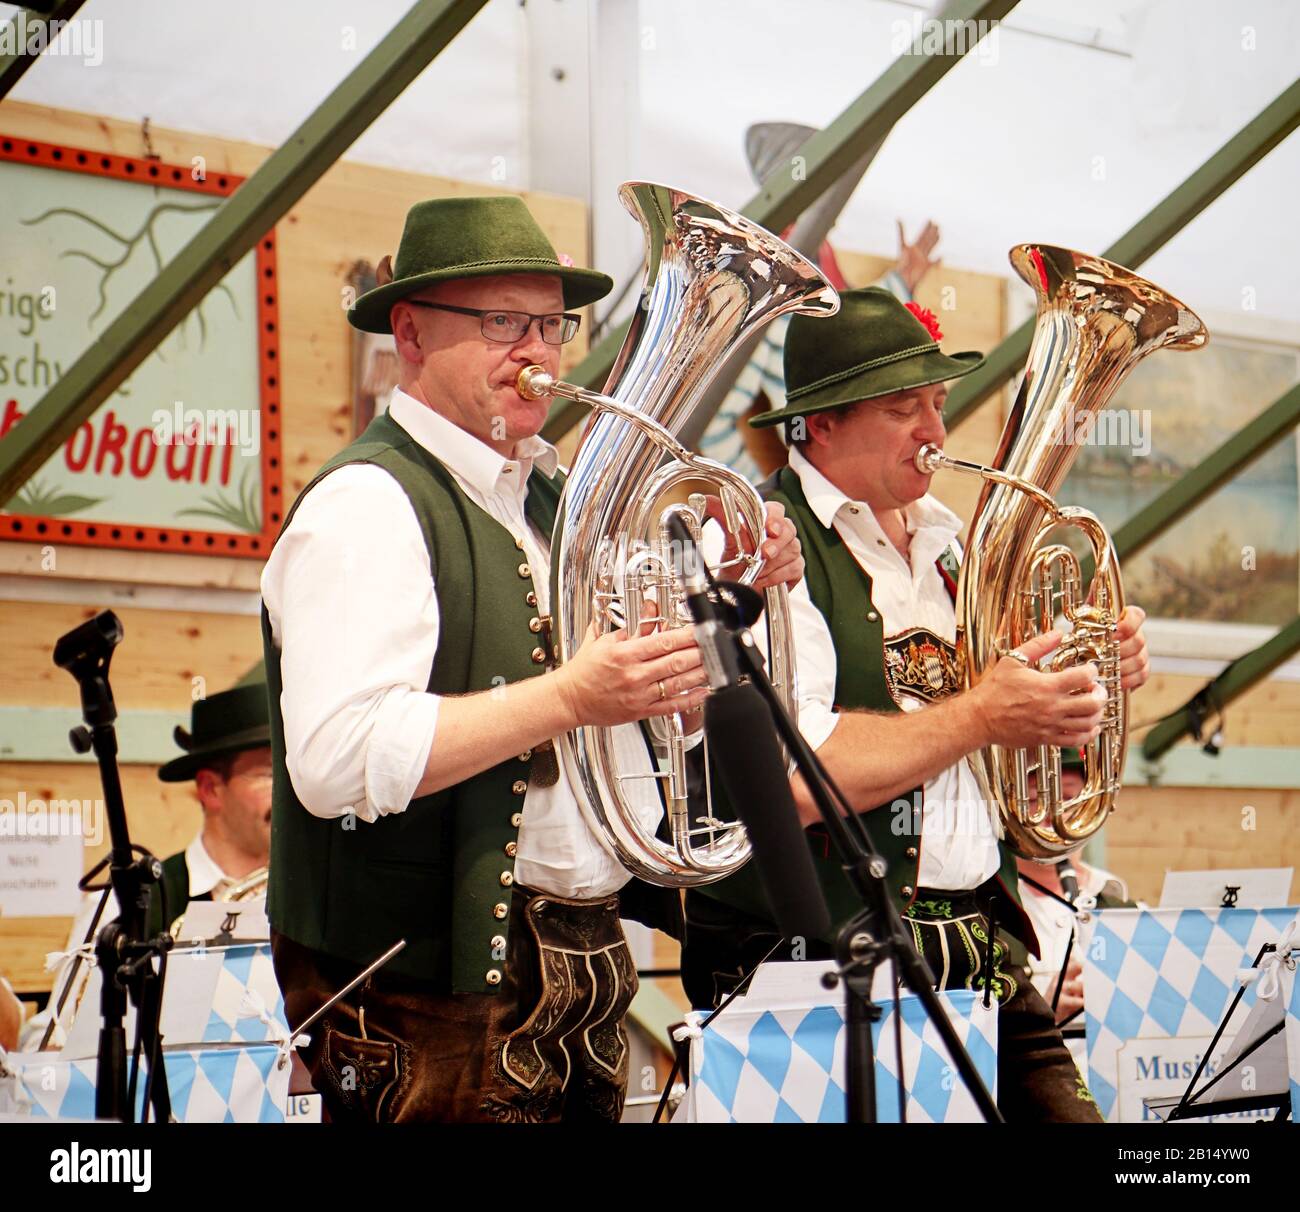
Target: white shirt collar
x=205 y=875
x=826 y=501
x=475 y=462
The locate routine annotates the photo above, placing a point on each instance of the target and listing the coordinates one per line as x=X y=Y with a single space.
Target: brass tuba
x=1096 y=321
x=712 y=278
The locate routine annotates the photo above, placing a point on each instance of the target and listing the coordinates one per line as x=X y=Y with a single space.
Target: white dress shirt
x=959 y=835
x=354 y=611
x=206 y=874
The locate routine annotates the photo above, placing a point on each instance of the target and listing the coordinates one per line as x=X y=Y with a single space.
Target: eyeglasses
x=557 y=327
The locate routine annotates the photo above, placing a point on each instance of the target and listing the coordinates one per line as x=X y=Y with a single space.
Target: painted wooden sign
x=185 y=455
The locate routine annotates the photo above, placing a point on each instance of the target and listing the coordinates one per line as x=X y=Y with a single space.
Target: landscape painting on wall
x=1236 y=557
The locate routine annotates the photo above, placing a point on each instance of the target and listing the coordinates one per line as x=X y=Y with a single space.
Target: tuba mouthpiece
x=928 y=459
x=534 y=383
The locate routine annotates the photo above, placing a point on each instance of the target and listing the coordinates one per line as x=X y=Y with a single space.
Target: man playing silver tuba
x=419 y=794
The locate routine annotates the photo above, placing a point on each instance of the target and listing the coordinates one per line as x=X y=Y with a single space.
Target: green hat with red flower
x=873 y=346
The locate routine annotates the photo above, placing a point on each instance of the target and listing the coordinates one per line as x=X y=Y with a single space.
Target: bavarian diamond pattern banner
x=1291 y=1028
x=1157 y=983
x=246 y=996
x=784 y=1063
x=231 y=1085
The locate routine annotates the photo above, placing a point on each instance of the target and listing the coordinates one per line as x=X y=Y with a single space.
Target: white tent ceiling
x=1077 y=121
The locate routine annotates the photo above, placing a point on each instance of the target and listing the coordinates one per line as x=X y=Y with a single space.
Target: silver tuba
x=712 y=277
x=1096 y=321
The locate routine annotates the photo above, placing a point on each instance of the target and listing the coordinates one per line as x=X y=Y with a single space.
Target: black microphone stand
x=125 y=956
x=873 y=935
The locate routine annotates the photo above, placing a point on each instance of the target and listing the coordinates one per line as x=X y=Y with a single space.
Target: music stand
x=1261 y=1041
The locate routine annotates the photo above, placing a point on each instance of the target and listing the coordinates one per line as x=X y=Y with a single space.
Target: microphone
x=1069 y=878
x=742 y=739
x=717 y=648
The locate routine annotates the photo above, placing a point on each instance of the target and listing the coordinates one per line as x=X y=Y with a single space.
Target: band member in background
x=1043 y=887
x=880 y=699
x=419 y=795
x=228 y=755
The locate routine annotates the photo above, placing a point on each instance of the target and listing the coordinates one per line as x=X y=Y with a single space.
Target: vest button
x=872 y=617
x=519 y=786
x=492 y=976
x=531 y=598
x=499 y=910
x=498 y=942
x=516 y=819
x=525 y=571
x=526 y=755
x=519 y=543
x=908 y=891
x=539 y=656
x=507 y=879
x=911 y=852
x=512 y=848
x=534 y=625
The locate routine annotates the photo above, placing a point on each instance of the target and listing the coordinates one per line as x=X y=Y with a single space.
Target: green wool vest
x=176 y=881
x=841 y=590
x=439 y=874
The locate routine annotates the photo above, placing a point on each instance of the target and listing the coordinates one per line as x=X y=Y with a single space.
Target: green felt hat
x=873 y=346
x=448 y=238
x=222 y=724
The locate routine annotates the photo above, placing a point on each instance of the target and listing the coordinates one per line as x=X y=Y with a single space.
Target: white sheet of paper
x=792 y=986
x=1259 y=888
x=243 y=921
x=39 y=874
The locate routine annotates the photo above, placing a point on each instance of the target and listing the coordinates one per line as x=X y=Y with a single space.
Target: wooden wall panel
x=1200 y=829
x=153 y=668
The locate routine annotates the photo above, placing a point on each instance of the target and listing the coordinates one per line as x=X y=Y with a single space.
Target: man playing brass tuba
x=418 y=793
x=875 y=640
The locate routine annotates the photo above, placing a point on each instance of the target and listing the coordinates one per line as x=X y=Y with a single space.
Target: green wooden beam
x=1232 y=161
x=13 y=66
x=288 y=173
x=1207 y=477
x=824 y=157
x=1245 y=672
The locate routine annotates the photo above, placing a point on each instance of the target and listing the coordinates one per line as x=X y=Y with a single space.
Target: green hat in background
x=449 y=238
x=222 y=724
x=873 y=346
x=1072 y=759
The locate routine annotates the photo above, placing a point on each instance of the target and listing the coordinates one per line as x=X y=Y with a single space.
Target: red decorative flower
x=928 y=318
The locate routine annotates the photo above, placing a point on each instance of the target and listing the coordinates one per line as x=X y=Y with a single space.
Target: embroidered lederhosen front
x=951 y=933
x=572 y=1047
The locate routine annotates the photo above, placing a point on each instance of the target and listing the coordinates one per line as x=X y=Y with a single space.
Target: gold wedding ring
x=663 y=694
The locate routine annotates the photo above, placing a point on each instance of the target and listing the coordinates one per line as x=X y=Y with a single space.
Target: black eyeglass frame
x=483 y=313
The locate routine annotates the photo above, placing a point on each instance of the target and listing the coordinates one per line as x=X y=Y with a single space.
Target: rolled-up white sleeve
x=354 y=613
x=815 y=668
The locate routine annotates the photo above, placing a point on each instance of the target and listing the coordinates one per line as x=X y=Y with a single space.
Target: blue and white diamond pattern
x=1291 y=999
x=245 y=968
x=234 y=1085
x=787 y=1065
x=1164 y=973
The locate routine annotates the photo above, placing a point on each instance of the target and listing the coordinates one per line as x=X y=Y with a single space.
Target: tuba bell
x=1096 y=321
x=712 y=278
